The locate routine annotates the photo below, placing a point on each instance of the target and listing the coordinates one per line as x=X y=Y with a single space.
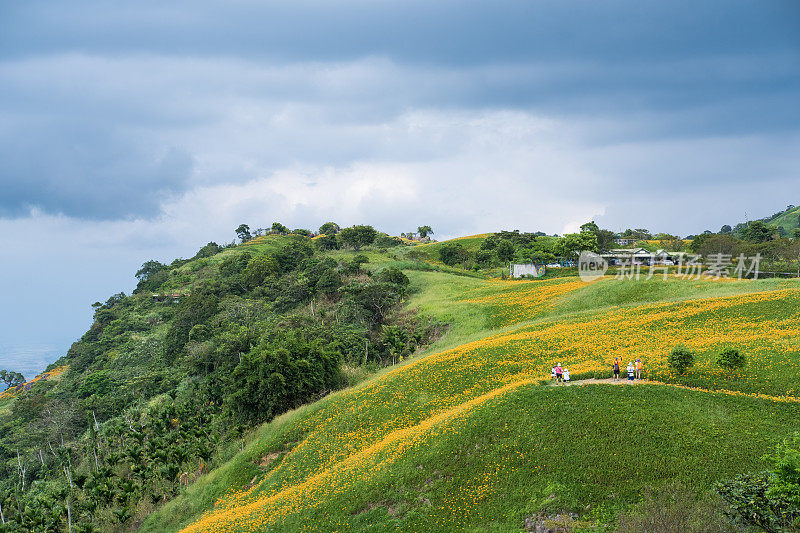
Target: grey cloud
x=87 y=172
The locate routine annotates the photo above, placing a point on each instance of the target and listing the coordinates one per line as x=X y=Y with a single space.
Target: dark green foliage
x=329 y=282
x=505 y=251
x=193 y=310
x=234 y=265
x=573 y=243
x=259 y=269
x=680 y=358
x=243 y=232
x=424 y=231
x=354 y=266
x=10 y=379
x=329 y=228
x=151 y=276
x=279 y=375
x=201 y=351
x=731 y=358
x=769 y=500
x=301 y=231
x=279 y=228
x=394 y=275
x=209 y=250
x=386 y=241
x=452 y=253
x=148 y=269
x=327 y=242
x=358 y=236
x=315 y=267
x=98 y=383
x=483 y=258
x=757 y=231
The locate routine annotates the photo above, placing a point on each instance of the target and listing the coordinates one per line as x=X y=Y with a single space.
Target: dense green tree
x=358 y=236
x=259 y=269
x=731 y=358
x=505 y=251
x=149 y=269
x=453 y=253
x=208 y=250
x=9 y=378
x=243 y=232
x=572 y=244
x=424 y=231
x=680 y=358
x=279 y=228
x=717 y=244
x=326 y=242
x=329 y=282
x=394 y=275
x=329 y=228
x=757 y=231
x=605 y=238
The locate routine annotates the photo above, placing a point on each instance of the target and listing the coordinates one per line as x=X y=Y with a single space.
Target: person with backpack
x=616 y=368
x=639 y=368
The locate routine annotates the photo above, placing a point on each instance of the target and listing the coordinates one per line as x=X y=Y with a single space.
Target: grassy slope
x=788 y=220
x=353 y=458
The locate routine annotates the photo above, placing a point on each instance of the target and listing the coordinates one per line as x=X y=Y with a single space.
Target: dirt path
x=607 y=381
x=625 y=381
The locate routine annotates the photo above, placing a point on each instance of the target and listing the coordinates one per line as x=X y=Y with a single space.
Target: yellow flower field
x=359 y=433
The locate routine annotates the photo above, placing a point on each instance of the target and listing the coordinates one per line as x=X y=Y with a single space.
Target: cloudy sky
x=138 y=130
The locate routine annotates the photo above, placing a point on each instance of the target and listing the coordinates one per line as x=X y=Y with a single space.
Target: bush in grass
x=731 y=358
x=681 y=358
x=675 y=508
x=768 y=500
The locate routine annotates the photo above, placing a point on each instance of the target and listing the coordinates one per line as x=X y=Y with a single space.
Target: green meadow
x=469 y=435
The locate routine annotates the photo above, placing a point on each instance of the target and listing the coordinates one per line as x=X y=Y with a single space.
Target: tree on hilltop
x=358 y=236
x=149 y=269
x=329 y=228
x=243 y=232
x=11 y=379
x=505 y=251
x=279 y=228
x=424 y=231
x=758 y=231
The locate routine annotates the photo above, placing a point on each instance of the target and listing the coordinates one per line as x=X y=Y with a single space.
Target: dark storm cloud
x=85 y=172
x=446 y=31
x=108 y=108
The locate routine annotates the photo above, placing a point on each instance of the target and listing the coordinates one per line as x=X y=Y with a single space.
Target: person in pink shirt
x=559 y=373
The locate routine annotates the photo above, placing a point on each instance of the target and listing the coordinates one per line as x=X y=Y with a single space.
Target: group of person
x=559 y=374
x=634 y=369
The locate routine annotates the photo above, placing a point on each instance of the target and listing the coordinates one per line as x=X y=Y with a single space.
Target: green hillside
x=469 y=436
x=788 y=220
x=298 y=384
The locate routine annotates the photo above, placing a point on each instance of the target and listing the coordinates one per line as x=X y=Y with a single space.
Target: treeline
x=778 y=252
x=159 y=386
x=498 y=249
